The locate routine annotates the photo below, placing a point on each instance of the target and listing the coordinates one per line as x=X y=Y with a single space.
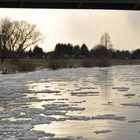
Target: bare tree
x=5 y=33
x=16 y=36
x=106 y=41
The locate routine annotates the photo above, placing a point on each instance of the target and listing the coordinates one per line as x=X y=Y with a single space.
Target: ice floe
x=63 y=102
x=21 y=132
x=109 y=117
x=121 y=88
x=48 y=91
x=80 y=118
x=63 y=107
x=15 y=128
x=63 y=99
x=102 y=131
x=78 y=102
x=46 y=112
x=134 y=121
x=108 y=103
x=38 y=119
x=131 y=104
x=85 y=93
x=129 y=94
x=97 y=117
x=63 y=138
x=33 y=135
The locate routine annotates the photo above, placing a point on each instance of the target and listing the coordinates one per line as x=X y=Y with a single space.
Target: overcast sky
x=82 y=26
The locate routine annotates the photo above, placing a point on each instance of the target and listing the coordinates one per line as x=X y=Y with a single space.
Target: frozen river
x=71 y=104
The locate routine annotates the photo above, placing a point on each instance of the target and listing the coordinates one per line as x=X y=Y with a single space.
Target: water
x=81 y=103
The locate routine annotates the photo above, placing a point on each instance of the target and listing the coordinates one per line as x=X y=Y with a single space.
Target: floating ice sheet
x=102 y=131
x=131 y=104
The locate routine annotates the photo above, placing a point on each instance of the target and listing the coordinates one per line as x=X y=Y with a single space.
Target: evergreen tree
x=38 y=52
x=84 y=50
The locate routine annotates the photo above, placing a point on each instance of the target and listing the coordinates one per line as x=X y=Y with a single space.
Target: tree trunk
x=2 y=59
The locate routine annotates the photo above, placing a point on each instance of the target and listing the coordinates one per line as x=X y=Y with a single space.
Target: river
x=71 y=104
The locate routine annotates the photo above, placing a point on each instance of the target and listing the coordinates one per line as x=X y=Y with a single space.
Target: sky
x=81 y=26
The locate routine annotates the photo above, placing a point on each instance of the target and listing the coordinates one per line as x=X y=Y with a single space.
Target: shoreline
x=26 y=65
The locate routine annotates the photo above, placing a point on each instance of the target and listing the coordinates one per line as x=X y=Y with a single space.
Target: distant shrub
x=14 y=66
x=103 y=63
x=21 y=66
x=88 y=63
x=56 y=64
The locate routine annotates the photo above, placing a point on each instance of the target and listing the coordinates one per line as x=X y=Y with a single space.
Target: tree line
x=103 y=50
x=17 y=36
x=64 y=51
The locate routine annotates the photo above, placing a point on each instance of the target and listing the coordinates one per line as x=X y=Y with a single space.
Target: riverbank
x=25 y=65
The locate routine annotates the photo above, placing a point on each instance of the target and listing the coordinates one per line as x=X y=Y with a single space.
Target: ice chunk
x=131 y=104
x=63 y=99
x=31 y=110
x=134 y=121
x=85 y=93
x=108 y=117
x=63 y=107
x=15 y=127
x=32 y=135
x=38 y=119
x=101 y=117
x=49 y=91
x=108 y=103
x=55 y=106
x=129 y=94
x=54 y=112
x=102 y=131
x=64 y=138
x=121 y=88
x=84 y=118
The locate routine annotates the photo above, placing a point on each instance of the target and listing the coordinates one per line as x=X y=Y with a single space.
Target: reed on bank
x=25 y=65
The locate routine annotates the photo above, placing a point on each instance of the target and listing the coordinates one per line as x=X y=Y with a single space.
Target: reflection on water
x=107 y=81
x=72 y=102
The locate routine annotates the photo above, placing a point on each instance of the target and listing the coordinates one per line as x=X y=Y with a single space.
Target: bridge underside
x=73 y=4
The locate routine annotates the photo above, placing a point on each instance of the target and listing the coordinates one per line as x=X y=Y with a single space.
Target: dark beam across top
x=73 y=4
